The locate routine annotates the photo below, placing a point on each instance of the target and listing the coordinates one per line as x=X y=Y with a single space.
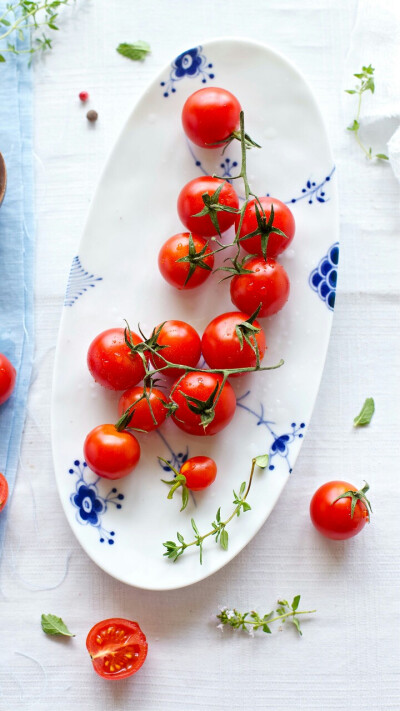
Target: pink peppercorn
x=84 y=96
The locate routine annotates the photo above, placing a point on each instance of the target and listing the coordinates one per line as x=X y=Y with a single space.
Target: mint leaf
x=365 y=415
x=136 y=51
x=54 y=625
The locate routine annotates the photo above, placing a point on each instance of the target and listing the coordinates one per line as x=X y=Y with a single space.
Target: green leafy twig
x=51 y=624
x=175 y=550
x=252 y=621
x=27 y=16
x=367 y=83
x=365 y=415
x=137 y=51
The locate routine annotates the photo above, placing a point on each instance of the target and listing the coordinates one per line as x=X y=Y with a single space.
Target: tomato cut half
x=3 y=491
x=117 y=648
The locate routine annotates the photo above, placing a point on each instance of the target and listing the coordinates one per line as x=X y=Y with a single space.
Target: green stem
x=293 y=613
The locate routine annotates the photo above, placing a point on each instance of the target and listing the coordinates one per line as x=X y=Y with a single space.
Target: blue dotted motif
x=323 y=279
x=314 y=191
x=190 y=64
x=280 y=446
x=79 y=281
x=90 y=504
x=175 y=459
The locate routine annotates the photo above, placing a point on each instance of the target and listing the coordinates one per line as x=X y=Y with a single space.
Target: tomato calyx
x=264 y=227
x=238 y=266
x=235 y=136
x=212 y=206
x=205 y=408
x=178 y=481
x=247 y=331
x=356 y=496
x=195 y=259
x=124 y=421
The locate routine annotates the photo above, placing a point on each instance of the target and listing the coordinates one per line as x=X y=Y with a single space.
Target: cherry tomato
x=183 y=347
x=8 y=375
x=117 y=648
x=141 y=414
x=210 y=115
x=283 y=220
x=111 y=362
x=221 y=346
x=333 y=518
x=109 y=453
x=177 y=273
x=268 y=284
x=201 y=385
x=199 y=471
x=3 y=491
x=190 y=202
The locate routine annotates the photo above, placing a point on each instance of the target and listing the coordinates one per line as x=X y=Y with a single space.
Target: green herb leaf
x=365 y=415
x=382 y=156
x=54 y=625
x=262 y=461
x=296 y=623
x=2 y=58
x=224 y=539
x=136 y=51
x=295 y=602
x=354 y=126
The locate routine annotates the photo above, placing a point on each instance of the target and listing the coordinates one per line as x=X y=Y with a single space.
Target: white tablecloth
x=348 y=656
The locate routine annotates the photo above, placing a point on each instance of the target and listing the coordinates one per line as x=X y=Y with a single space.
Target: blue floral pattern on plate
x=91 y=505
x=280 y=445
x=323 y=279
x=190 y=64
x=79 y=281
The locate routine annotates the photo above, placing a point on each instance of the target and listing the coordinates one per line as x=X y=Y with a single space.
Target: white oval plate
x=122 y=526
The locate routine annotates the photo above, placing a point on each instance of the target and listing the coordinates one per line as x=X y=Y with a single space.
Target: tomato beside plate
x=117 y=647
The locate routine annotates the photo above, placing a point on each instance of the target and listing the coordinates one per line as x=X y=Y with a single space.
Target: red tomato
x=190 y=202
x=268 y=284
x=3 y=491
x=221 y=346
x=111 y=362
x=109 y=453
x=177 y=273
x=333 y=518
x=184 y=347
x=200 y=472
x=283 y=220
x=117 y=648
x=210 y=115
x=141 y=415
x=200 y=385
x=7 y=378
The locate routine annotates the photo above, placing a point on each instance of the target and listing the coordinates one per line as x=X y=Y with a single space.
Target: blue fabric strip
x=16 y=252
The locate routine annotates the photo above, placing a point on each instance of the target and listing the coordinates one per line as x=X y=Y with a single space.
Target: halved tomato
x=117 y=648
x=3 y=491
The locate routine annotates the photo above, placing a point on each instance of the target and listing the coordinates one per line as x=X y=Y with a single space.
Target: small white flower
x=223 y=608
x=230 y=614
x=250 y=632
x=220 y=627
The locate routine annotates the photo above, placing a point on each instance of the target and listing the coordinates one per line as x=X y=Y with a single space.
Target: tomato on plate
x=111 y=362
x=8 y=375
x=230 y=341
x=210 y=116
x=110 y=453
x=117 y=648
x=283 y=220
x=339 y=518
x=204 y=387
x=199 y=472
x=182 y=346
x=267 y=284
x=190 y=202
x=3 y=491
x=141 y=417
x=198 y=263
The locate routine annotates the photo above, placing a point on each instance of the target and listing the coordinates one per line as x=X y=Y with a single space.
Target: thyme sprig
x=252 y=621
x=366 y=83
x=218 y=527
x=27 y=16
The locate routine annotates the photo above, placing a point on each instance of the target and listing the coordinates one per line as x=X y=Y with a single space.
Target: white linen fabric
x=347 y=659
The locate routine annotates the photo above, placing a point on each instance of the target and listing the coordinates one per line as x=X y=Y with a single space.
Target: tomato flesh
x=176 y=273
x=111 y=362
x=117 y=647
x=109 y=453
x=141 y=414
x=333 y=518
x=8 y=375
x=199 y=471
x=210 y=115
x=267 y=284
x=283 y=220
x=3 y=491
x=190 y=202
x=221 y=347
